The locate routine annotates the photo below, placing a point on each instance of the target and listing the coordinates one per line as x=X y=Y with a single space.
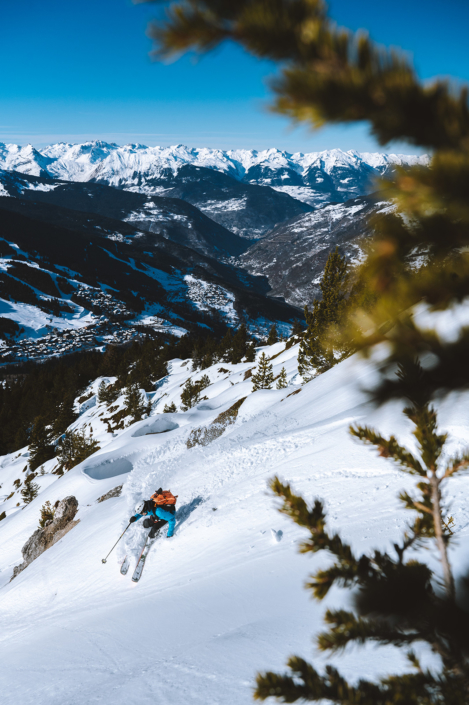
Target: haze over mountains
x=174 y=234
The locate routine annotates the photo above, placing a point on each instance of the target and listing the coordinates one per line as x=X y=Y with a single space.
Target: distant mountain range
x=315 y=177
x=186 y=237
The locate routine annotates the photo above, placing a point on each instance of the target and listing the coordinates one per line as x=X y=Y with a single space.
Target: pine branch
x=389 y=448
x=345 y=627
x=457 y=464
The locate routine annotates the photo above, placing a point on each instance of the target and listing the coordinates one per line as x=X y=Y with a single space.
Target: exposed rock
x=116 y=492
x=206 y=434
x=42 y=539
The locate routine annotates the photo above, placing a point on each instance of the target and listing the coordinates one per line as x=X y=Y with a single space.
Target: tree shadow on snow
x=184 y=512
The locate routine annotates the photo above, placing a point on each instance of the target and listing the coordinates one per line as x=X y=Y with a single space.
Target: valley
x=125 y=240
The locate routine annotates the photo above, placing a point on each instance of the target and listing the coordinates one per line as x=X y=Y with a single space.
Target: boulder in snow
x=42 y=539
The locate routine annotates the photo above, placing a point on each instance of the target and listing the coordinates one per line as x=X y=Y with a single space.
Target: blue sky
x=74 y=70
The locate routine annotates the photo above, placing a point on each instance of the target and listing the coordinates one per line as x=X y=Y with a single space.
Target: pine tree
x=239 y=344
x=282 y=382
x=74 y=447
x=170 y=408
x=319 y=348
x=65 y=415
x=191 y=392
x=190 y=395
x=108 y=393
x=40 y=447
x=264 y=377
x=224 y=349
x=297 y=328
x=47 y=514
x=204 y=382
x=273 y=335
x=395 y=597
x=135 y=406
x=250 y=355
x=197 y=357
x=30 y=490
x=102 y=391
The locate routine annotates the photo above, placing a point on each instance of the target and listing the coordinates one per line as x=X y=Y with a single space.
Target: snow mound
x=108 y=468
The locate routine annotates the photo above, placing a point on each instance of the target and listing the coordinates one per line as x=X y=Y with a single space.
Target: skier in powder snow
x=160 y=509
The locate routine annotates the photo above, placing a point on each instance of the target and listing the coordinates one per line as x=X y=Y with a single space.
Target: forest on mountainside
x=47 y=390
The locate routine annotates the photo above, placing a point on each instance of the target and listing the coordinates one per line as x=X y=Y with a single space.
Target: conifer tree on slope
x=108 y=393
x=282 y=382
x=47 y=514
x=329 y=75
x=263 y=377
x=30 y=490
x=273 y=335
x=40 y=447
x=318 y=351
x=74 y=447
x=240 y=343
x=297 y=328
x=192 y=391
x=135 y=405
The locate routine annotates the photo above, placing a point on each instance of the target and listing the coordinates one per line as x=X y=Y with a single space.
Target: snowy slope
x=312 y=177
x=224 y=597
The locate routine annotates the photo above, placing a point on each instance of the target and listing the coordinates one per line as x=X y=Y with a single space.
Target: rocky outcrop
x=116 y=492
x=42 y=539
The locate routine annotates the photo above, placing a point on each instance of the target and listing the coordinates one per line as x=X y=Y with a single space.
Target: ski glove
x=132 y=519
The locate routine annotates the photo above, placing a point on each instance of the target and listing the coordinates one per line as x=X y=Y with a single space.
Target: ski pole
x=105 y=559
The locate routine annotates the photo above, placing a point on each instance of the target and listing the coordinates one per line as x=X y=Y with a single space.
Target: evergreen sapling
x=264 y=377
x=30 y=490
x=47 y=515
x=108 y=393
x=282 y=382
x=273 y=335
x=191 y=392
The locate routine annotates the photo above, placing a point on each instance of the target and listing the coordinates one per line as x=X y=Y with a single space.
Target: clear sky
x=75 y=70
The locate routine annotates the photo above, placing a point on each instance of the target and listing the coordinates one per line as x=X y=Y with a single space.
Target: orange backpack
x=164 y=498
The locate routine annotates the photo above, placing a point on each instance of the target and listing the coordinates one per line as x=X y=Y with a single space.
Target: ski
x=141 y=561
x=125 y=566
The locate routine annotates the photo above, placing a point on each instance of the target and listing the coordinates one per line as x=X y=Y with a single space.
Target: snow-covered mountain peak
x=239 y=160
x=313 y=177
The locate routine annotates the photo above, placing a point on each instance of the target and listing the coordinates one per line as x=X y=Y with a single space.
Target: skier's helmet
x=139 y=507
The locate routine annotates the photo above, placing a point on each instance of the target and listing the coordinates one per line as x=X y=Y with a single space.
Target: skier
x=160 y=509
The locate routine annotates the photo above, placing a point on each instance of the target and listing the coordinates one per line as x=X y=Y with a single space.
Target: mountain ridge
x=313 y=177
